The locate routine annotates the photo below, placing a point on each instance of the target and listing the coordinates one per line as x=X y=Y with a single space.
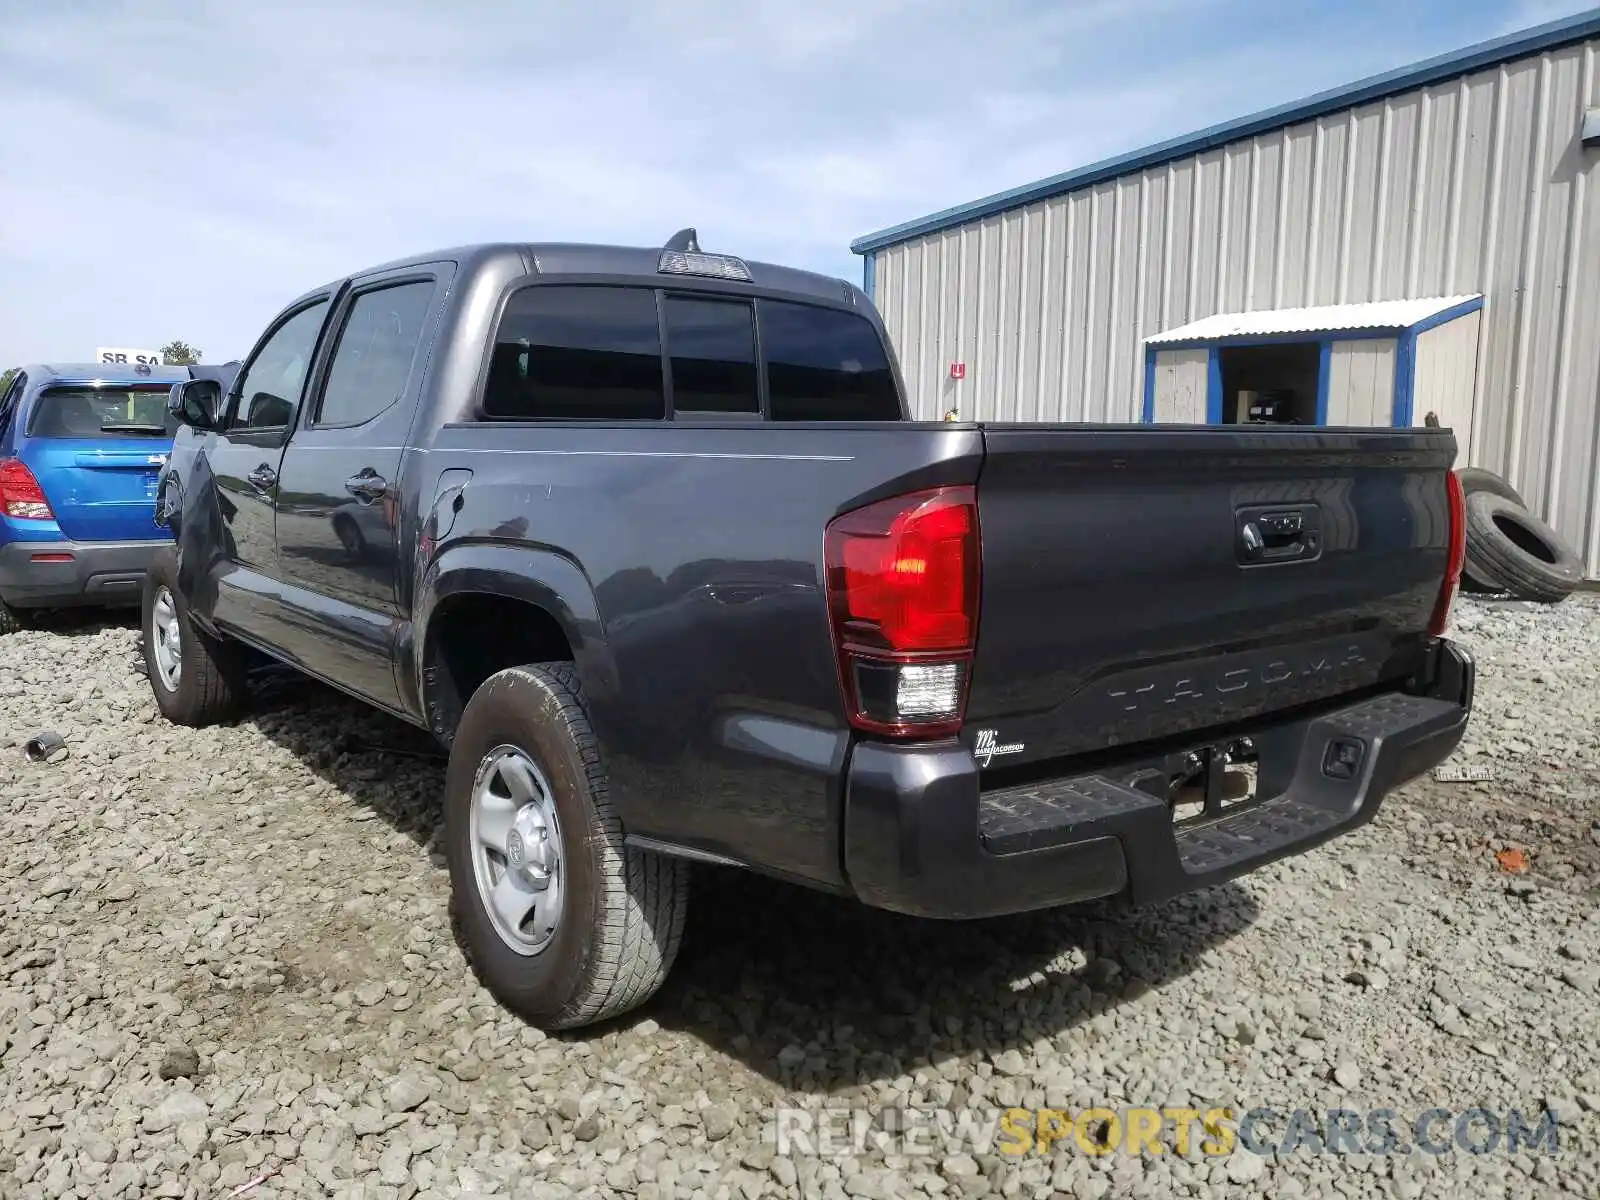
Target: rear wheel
x=10 y=620
x=197 y=679
x=564 y=924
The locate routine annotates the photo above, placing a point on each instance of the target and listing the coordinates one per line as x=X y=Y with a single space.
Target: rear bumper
x=108 y=573
x=921 y=836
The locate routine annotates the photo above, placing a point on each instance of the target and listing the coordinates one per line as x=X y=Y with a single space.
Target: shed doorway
x=1275 y=383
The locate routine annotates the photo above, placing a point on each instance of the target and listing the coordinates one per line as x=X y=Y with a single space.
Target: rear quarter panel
x=710 y=671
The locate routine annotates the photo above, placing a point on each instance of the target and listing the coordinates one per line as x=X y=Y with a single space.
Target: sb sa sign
x=124 y=356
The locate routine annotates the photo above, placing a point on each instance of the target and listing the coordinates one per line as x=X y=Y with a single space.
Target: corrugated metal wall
x=1447 y=359
x=1361 y=382
x=1475 y=185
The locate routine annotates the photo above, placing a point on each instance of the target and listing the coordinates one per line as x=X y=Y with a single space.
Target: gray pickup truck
x=646 y=538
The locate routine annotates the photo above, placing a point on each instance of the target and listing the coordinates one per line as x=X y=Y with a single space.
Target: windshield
x=102 y=412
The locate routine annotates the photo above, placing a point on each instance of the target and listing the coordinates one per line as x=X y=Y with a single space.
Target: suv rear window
x=576 y=353
x=102 y=412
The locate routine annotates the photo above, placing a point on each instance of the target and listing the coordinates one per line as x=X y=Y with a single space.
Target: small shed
x=1389 y=362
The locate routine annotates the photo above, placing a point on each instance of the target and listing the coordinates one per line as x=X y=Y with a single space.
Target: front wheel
x=564 y=924
x=197 y=679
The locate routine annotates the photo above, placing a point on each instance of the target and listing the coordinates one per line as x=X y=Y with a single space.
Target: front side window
x=101 y=412
x=577 y=353
x=372 y=362
x=269 y=388
x=825 y=365
x=713 y=348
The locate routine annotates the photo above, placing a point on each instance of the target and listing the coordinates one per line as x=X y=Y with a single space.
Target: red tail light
x=1458 y=555
x=903 y=597
x=20 y=493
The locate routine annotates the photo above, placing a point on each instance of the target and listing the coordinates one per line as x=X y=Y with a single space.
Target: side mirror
x=197 y=402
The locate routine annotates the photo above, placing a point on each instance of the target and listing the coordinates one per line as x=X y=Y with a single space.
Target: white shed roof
x=1329 y=318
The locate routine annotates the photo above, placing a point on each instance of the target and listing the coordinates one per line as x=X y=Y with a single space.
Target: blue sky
x=184 y=169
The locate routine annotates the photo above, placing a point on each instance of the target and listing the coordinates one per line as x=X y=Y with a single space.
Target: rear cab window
x=614 y=352
x=97 y=413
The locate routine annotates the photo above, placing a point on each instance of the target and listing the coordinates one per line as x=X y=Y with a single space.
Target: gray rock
x=407 y=1092
x=372 y=992
x=179 y=1062
x=718 y=1121
x=1518 y=960
x=1245 y=1167
x=1584 y=981
x=957 y=1166
x=176 y=1108
x=192 y=1136
x=394 y=1164
x=1010 y=1062
x=366 y=1121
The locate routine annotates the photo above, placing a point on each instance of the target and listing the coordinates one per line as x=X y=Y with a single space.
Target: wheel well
x=472 y=636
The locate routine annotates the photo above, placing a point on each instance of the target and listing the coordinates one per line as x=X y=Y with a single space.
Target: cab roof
x=630 y=262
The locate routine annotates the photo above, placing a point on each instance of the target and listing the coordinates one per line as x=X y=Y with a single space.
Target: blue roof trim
x=1449 y=314
x=1459 y=62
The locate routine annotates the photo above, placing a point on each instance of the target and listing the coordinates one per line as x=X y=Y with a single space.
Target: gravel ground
x=226 y=954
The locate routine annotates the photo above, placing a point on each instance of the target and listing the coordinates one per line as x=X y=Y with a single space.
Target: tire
x=209 y=684
x=1534 y=560
x=620 y=919
x=10 y=620
x=1476 y=479
x=1477 y=576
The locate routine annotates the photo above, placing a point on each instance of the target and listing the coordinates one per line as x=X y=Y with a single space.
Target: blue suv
x=81 y=447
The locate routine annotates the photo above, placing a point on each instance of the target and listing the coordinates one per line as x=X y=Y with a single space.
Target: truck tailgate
x=1139 y=584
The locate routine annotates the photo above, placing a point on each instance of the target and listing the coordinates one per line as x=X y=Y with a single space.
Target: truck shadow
x=819 y=993
x=813 y=992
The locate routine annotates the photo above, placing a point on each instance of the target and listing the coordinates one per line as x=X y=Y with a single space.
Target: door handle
x=263 y=478
x=367 y=486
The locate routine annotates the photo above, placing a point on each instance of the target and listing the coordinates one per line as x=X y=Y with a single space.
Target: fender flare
x=541 y=577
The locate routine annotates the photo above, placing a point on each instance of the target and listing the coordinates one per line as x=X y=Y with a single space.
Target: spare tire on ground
x=1476 y=479
x=1516 y=547
x=1475 y=575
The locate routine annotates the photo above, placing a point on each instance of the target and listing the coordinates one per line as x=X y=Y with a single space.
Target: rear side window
x=372 y=363
x=103 y=412
x=577 y=353
x=825 y=365
x=713 y=348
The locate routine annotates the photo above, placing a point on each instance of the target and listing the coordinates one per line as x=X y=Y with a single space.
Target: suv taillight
x=903 y=597
x=1457 y=502
x=20 y=493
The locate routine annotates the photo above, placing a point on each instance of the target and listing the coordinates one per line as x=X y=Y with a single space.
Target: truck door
x=244 y=456
x=338 y=513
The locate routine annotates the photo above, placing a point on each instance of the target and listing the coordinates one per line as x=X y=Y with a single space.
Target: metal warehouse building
x=1423 y=242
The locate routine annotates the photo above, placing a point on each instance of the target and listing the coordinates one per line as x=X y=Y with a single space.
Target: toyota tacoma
x=647 y=539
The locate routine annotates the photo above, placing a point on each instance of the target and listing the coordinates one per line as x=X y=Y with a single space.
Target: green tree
x=5 y=378
x=179 y=354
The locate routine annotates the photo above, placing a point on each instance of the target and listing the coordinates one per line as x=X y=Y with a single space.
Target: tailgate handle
x=1275 y=534
x=1281 y=529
